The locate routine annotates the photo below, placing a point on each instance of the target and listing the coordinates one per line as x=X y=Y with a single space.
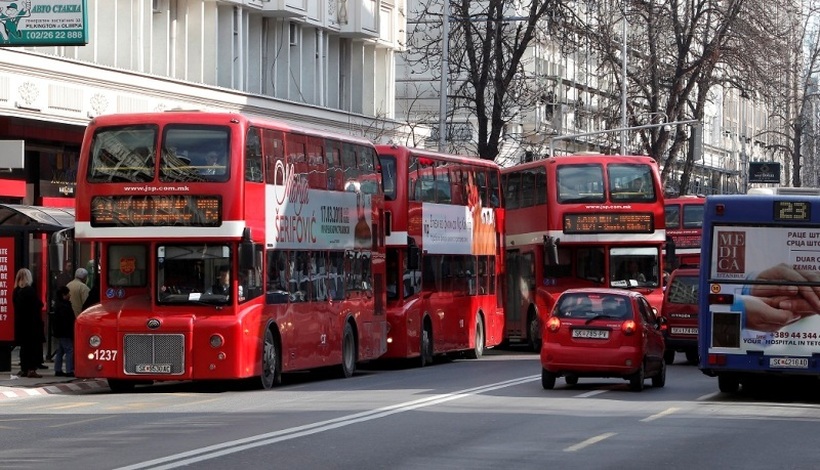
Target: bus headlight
x=94 y=341
x=217 y=341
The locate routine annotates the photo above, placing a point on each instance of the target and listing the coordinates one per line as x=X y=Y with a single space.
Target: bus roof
x=417 y=152
x=783 y=190
x=579 y=158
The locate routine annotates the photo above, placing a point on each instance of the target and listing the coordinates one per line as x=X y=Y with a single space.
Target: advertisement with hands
x=773 y=278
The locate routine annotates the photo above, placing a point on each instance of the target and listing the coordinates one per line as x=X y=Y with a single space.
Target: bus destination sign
x=608 y=223
x=156 y=211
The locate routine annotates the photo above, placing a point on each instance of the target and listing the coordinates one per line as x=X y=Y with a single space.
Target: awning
x=35 y=218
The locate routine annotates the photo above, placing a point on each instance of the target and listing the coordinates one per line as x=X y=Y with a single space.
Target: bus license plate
x=684 y=331
x=789 y=362
x=594 y=334
x=153 y=368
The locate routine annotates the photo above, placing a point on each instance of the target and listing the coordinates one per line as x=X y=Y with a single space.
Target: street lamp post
x=445 y=69
x=623 y=86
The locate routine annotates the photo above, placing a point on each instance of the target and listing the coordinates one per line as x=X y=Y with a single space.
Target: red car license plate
x=588 y=333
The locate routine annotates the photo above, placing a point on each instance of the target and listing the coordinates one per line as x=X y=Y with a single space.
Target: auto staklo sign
x=43 y=23
x=764 y=172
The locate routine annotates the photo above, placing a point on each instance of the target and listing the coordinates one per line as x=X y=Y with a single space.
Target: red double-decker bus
x=684 y=225
x=579 y=221
x=231 y=247
x=444 y=253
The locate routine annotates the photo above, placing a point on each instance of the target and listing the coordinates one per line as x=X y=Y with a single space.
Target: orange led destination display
x=156 y=211
x=608 y=223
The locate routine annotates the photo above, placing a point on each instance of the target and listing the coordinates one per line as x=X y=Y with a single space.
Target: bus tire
x=348 y=366
x=478 y=348
x=121 y=386
x=728 y=383
x=534 y=332
x=426 y=347
x=271 y=362
x=547 y=379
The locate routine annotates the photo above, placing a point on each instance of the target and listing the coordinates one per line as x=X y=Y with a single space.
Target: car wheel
x=571 y=380
x=692 y=356
x=271 y=369
x=478 y=349
x=728 y=383
x=348 y=366
x=659 y=379
x=669 y=356
x=120 y=386
x=547 y=379
x=426 y=347
x=637 y=379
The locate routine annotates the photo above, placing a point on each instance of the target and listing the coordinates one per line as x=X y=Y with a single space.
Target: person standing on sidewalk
x=78 y=290
x=29 y=331
x=64 y=332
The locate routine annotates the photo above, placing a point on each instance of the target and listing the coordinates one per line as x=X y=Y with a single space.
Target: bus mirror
x=412 y=257
x=670 y=254
x=246 y=259
x=551 y=249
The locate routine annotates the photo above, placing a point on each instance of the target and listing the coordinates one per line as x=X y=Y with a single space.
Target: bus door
x=516 y=301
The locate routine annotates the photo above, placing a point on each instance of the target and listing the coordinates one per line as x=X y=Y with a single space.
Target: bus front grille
x=147 y=354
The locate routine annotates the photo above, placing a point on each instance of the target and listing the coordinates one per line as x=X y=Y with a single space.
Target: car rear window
x=683 y=290
x=589 y=306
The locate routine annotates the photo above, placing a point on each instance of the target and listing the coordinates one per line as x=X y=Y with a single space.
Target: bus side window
x=253 y=156
x=274 y=148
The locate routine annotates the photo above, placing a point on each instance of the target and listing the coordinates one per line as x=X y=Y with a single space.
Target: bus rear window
x=123 y=154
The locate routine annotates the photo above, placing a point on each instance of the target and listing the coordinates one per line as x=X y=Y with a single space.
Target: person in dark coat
x=63 y=328
x=94 y=294
x=29 y=330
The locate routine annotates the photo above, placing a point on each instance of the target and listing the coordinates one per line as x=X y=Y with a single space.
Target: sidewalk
x=12 y=386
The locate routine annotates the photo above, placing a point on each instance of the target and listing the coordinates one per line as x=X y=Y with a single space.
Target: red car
x=603 y=333
x=680 y=309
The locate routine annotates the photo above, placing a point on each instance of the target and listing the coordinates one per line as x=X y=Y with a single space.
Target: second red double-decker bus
x=579 y=221
x=444 y=253
x=684 y=226
x=230 y=247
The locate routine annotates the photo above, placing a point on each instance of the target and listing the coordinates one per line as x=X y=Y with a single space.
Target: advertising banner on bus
x=776 y=268
x=458 y=230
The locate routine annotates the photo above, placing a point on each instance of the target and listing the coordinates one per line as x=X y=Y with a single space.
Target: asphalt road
x=490 y=413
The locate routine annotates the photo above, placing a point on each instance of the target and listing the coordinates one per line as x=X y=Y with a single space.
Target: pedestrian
x=63 y=329
x=79 y=290
x=29 y=330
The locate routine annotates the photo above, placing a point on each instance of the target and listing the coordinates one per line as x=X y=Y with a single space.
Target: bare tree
x=488 y=41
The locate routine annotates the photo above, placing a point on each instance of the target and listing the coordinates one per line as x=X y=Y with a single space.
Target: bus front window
x=633 y=267
x=580 y=183
x=632 y=183
x=187 y=273
x=195 y=153
x=122 y=154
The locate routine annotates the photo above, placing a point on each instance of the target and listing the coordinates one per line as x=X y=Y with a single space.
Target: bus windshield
x=194 y=273
x=123 y=154
x=633 y=267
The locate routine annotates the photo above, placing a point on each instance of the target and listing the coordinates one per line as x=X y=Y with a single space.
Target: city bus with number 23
x=231 y=247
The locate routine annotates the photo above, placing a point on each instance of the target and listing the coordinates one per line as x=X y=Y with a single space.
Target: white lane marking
x=591 y=393
x=231 y=447
x=708 y=396
x=663 y=413
x=589 y=442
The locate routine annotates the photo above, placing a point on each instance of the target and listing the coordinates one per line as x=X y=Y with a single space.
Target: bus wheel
x=348 y=353
x=728 y=383
x=120 y=386
x=692 y=356
x=534 y=330
x=426 y=351
x=478 y=349
x=271 y=369
x=547 y=379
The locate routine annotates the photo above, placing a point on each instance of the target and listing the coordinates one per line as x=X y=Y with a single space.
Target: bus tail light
x=716 y=359
x=726 y=299
x=553 y=324
x=628 y=327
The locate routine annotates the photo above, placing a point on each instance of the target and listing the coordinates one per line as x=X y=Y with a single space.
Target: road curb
x=51 y=389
